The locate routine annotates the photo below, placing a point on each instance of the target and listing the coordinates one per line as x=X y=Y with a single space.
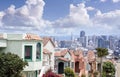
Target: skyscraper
x=82 y=38
x=82 y=33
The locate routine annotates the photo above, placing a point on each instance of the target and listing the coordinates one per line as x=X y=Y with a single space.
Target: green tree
x=109 y=68
x=101 y=52
x=11 y=65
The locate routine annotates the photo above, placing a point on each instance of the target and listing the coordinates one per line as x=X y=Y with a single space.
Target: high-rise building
x=103 y=42
x=82 y=38
x=82 y=33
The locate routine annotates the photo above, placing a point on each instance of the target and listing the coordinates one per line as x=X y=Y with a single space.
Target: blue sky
x=60 y=17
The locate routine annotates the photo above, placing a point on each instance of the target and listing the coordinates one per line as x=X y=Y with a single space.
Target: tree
x=109 y=68
x=11 y=65
x=101 y=52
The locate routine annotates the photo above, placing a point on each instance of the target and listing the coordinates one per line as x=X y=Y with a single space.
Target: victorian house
x=48 y=55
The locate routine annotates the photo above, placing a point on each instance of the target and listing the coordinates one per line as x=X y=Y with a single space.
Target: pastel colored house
x=62 y=60
x=91 y=61
x=48 y=54
x=75 y=59
x=28 y=46
x=78 y=62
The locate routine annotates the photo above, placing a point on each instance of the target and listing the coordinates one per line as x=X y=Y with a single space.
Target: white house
x=48 y=54
x=28 y=46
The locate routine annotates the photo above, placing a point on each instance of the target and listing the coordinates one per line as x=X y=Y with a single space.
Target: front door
x=77 y=70
x=61 y=68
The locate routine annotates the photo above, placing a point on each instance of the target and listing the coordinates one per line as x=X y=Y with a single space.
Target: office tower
x=82 y=34
x=82 y=38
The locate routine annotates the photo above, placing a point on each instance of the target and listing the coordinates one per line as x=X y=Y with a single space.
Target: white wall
x=3 y=43
x=34 y=64
x=51 y=48
x=67 y=56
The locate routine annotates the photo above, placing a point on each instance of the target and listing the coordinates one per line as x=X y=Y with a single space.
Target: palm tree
x=101 y=52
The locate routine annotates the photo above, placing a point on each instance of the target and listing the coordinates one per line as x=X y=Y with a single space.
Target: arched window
x=38 y=51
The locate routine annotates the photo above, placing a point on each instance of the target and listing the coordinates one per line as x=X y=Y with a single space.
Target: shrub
x=83 y=75
x=69 y=72
x=49 y=73
x=95 y=73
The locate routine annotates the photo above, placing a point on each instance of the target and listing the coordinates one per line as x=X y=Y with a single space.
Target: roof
x=76 y=54
x=45 y=51
x=63 y=59
x=46 y=40
x=61 y=53
x=32 y=37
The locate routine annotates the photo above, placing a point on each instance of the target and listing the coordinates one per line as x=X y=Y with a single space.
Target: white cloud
x=28 y=17
x=90 y=8
x=115 y=1
x=77 y=17
x=111 y=19
x=103 y=0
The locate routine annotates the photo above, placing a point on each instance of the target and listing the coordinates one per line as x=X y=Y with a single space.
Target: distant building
x=65 y=44
x=82 y=39
x=103 y=42
x=82 y=34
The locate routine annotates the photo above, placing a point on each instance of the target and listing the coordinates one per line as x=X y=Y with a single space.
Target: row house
x=48 y=55
x=75 y=59
x=27 y=46
x=62 y=60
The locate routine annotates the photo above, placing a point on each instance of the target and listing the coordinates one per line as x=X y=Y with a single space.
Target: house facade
x=62 y=60
x=48 y=54
x=29 y=47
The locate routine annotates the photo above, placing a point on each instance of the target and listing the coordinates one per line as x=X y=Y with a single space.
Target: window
x=28 y=52
x=38 y=51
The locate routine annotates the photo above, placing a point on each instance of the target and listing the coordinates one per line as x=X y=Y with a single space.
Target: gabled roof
x=76 y=54
x=46 y=40
x=61 y=53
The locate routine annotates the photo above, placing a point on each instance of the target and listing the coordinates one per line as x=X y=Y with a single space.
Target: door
x=61 y=68
x=77 y=70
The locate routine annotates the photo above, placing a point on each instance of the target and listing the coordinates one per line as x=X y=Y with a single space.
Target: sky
x=60 y=17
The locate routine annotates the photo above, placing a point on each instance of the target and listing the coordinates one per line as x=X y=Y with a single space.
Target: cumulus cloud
x=77 y=17
x=27 y=17
x=110 y=19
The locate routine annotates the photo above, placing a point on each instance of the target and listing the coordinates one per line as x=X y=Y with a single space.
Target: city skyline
x=60 y=17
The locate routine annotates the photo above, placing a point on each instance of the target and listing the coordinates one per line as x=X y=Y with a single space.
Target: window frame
x=30 y=52
x=39 y=59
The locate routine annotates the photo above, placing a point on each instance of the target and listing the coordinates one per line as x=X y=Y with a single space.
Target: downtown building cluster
x=91 y=42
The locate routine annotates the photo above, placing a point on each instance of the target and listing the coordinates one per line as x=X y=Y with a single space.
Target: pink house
x=80 y=63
